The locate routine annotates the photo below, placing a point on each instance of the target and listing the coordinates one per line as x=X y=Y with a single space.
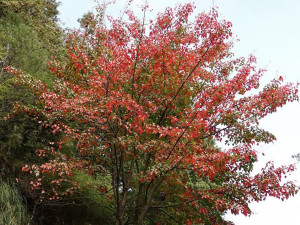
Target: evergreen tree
x=25 y=44
x=29 y=38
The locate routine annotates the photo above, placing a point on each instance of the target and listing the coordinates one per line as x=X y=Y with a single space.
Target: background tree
x=29 y=38
x=140 y=107
x=42 y=17
x=23 y=25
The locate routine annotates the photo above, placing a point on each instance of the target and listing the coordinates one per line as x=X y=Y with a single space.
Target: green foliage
x=42 y=15
x=97 y=205
x=21 y=136
x=13 y=212
x=28 y=36
x=84 y=206
x=22 y=46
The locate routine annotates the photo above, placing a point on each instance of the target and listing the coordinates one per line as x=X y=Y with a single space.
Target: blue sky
x=271 y=30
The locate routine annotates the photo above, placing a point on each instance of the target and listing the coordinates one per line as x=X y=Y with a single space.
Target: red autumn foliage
x=145 y=103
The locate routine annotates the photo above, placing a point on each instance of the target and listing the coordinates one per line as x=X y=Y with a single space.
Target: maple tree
x=141 y=103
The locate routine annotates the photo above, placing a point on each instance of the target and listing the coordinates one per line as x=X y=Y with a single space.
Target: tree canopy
x=141 y=105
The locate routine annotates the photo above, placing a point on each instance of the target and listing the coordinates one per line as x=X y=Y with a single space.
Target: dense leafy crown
x=141 y=105
x=42 y=14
